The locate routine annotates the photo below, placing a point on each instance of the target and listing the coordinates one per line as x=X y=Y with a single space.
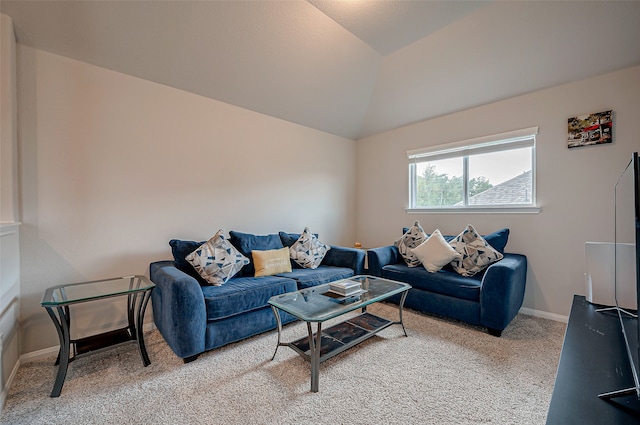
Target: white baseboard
x=544 y=315
x=5 y=390
x=39 y=354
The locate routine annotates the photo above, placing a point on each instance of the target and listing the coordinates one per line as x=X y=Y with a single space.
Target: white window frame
x=465 y=148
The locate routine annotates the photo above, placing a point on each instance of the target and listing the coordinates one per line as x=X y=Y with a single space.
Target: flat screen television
x=627 y=268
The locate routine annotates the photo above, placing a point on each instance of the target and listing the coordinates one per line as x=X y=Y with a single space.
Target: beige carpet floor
x=444 y=372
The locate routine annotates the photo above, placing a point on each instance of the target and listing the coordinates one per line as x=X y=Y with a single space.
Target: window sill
x=475 y=210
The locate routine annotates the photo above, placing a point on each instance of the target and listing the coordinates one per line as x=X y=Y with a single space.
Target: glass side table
x=57 y=299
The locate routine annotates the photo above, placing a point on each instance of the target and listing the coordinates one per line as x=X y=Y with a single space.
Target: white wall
x=9 y=225
x=574 y=186
x=8 y=118
x=113 y=167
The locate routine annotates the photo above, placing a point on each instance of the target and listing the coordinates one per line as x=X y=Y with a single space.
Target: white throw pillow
x=411 y=239
x=435 y=252
x=477 y=254
x=308 y=251
x=217 y=260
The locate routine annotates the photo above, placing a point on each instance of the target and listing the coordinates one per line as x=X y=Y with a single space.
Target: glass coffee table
x=57 y=299
x=318 y=304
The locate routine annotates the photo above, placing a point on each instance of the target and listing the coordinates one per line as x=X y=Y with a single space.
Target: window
x=492 y=172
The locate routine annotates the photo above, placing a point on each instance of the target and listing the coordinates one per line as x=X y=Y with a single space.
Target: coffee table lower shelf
x=341 y=337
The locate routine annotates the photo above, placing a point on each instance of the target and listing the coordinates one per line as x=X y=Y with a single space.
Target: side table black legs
x=61 y=322
x=136 y=327
x=58 y=299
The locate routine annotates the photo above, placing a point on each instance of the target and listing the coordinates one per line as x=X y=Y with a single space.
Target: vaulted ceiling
x=346 y=67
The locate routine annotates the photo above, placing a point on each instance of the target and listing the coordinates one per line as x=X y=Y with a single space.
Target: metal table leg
x=62 y=323
x=279 y=322
x=401 y=307
x=314 y=354
x=142 y=306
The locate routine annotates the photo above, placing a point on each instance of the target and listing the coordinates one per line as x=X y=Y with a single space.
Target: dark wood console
x=593 y=361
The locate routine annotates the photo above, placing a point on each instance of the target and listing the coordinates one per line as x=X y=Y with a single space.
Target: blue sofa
x=194 y=317
x=491 y=298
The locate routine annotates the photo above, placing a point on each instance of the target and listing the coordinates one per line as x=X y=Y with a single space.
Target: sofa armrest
x=502 y=291
x=377 y=258
x=340 y=256
x=178 y=308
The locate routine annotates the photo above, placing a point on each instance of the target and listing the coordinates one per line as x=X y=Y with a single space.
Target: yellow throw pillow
x=270 y=262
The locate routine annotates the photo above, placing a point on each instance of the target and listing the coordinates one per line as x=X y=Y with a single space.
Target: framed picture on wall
x=591 y=129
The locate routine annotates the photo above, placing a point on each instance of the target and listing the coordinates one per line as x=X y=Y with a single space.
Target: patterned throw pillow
x=308 y=251
x=435 y=252
x=411 y=239
x=477 y=254
x=217 y=260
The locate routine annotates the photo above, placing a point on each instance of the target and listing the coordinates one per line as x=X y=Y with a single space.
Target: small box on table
x=345 y=287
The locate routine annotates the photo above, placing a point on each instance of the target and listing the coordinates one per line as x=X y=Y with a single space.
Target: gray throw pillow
x=411 y=239
x=308 y=251
x=216 y=260
x=476 y=253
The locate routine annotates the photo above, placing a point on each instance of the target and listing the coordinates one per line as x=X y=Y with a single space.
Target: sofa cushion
x=180 y=249
x=411 y=239
x=246 y=242
x=435 y=252
x=477 y=254
x=308 y=252
x=498 y=239
x=288 y=239
x=243 y=294
x=271 y=261
x=313 y=277
x=217 y=261
x=443 y=282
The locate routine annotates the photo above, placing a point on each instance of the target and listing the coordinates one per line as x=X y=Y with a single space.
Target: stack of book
x=345 y=287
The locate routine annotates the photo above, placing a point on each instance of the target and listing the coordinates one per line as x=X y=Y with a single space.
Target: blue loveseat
x=194 y=317
x=490 y=298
